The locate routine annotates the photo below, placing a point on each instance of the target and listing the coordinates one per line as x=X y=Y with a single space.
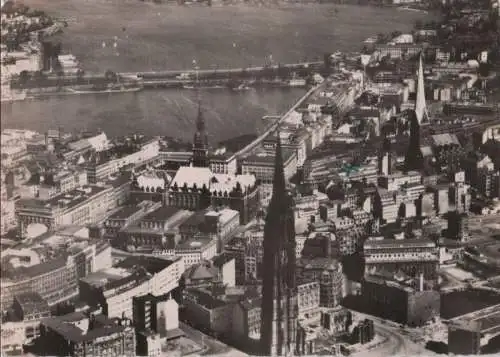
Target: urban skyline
x=362 y=219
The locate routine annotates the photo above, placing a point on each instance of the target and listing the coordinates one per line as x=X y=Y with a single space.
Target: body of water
x=129 y=35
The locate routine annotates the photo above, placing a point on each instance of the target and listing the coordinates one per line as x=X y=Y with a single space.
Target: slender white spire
x=420 y=106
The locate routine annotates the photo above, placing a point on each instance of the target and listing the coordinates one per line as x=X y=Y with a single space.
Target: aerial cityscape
x=250 y=178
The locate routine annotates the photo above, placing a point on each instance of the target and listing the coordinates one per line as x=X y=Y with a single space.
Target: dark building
x=30 y=306
x=414 y=158
x=67 y=336
x=400 y=301
x=200 y=142
x=278 y=331
x=458 y=228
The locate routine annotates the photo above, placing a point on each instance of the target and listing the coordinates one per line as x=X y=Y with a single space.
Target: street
x=212 y=346
x=398 y=343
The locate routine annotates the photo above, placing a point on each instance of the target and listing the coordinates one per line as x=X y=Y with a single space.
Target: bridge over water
x=200 y=73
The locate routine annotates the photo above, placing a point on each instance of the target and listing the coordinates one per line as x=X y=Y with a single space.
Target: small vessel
x=206 y=87
x=241 y=87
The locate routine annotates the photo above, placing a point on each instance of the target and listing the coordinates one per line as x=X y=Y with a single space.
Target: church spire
x=200 y=120
x=279 y=185
x=200 y=142
x=279 y=321
x=420 y=105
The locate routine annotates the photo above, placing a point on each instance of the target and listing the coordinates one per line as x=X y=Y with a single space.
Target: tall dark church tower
x=200 y=142
x=279 y=311
x=414 y=159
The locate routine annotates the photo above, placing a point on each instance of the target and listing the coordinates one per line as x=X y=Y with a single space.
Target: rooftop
x=32 y=302
x=484 y=320
x=268 y=159
x=399 y=243
x=197 y=242
x=74 y=334
x=65 y=200
x=445 y=139
x=161 y=214
x=103 y=278
x=201 y=176
x=222 y=259
x=152 y=264
x=125 y=212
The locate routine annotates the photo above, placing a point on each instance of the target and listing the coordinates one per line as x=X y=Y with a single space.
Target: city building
x=328 y=272
x=412 y=256
x=157 y=229
x=114 y=288
x=470 y=334
x=308 y=297
x=194 y=250
x=127 y=215
x=22 y=326
x=159 y=314
x=79 y=335
x=85 y=205
x=51 y=265
x=220 y=270
x=196 y=188
x=401 y=299
x=103 y=164
x=279 y=323
x=262 y=166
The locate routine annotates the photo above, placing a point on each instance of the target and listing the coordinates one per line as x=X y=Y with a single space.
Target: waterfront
x=170 y=37
x=155 y=112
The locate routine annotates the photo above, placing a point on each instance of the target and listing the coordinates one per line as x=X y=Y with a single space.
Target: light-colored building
x=413 y=256
x=196 y=249
x=102 y=166
x=114 y=288
x=84 y=205
x=51 y=265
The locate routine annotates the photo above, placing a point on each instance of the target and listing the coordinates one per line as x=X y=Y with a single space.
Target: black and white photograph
x=188 y=178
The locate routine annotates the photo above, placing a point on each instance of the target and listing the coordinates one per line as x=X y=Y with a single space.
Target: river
x=129 y=35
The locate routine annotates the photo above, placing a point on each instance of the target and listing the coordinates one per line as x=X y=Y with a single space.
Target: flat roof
x=74 y=334
x=485 y=319
x=125 y=212
x=161 y=213
x=70 y=199
x=399 y=243
x=152 y=264
x=196 y=242
x=268 y=159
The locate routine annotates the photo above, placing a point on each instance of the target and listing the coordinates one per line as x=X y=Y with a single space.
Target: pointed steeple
x=200 y=119
x=420 y=106
x=200 y=141
x=279 y=321
x=279 y=184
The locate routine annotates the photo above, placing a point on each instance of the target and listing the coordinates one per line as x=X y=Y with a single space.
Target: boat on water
x=407 y=8
x=241 y=88
x=207 y=87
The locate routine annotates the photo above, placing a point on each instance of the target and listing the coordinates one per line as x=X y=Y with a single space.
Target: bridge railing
x=275 y=125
